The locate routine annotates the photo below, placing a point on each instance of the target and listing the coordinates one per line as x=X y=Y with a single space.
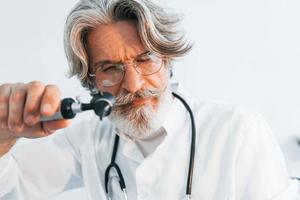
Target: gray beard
x=144 y=121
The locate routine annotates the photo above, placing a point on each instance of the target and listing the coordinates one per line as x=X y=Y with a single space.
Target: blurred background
x=246 y=52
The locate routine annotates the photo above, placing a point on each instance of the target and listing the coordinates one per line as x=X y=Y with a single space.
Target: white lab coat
x=236 y=158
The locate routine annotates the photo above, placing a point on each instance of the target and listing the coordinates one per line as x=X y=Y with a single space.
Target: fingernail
x=46 y=108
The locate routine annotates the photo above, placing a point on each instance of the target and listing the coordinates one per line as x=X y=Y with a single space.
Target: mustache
x=126 y=98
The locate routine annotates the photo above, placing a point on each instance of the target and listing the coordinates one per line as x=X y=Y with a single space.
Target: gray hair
x=157 y=28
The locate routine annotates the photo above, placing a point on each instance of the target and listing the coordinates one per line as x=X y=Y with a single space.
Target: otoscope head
x=102 y=104
x=66 y=108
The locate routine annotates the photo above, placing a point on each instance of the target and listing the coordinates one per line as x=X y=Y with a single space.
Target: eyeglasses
x=109 y=74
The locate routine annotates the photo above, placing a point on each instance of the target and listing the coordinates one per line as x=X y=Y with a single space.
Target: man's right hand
x=22 y=105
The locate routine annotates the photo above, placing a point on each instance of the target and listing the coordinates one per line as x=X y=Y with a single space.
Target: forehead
x=115 y=41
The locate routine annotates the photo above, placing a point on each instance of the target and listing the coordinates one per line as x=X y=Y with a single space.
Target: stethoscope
x=114 y=165
x=102 y=103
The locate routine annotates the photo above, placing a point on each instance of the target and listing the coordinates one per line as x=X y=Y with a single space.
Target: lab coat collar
x=178 y=112
x=131 y=150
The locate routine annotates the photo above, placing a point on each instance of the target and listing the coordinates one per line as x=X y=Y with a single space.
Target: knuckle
x=53 y=87
x=52 y=93
x=4 y=93
x=5 y=85
x=35 y=85
x=20 y=84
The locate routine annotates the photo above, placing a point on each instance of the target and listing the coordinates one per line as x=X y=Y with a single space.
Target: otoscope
x=101 y=103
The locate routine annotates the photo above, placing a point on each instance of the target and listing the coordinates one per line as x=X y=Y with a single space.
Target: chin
x=135 y=122
x=141 y=121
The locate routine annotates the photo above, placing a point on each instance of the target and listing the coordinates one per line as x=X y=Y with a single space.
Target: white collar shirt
x=236 y=158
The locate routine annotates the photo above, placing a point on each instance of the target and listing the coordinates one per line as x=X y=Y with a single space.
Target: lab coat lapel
x=163 y=173
x=131 y=151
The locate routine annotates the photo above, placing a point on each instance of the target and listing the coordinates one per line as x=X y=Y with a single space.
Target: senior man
x=126 y=47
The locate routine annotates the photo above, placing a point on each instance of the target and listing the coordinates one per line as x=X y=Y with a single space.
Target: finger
x=16 y=107
x=50 y=101
x=35 y=131
x=43 y=129
x=52 y=126
x=35 y=92
x=4 y=104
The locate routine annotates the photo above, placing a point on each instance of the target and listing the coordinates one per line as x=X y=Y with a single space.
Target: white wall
x=246 y=52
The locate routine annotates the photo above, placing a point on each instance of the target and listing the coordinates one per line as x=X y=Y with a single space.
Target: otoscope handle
x=67 y=110
x=101 y=103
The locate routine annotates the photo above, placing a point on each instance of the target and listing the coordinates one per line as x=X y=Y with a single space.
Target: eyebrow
x=102 y=62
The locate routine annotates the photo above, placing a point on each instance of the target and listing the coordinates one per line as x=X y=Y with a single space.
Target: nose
x=132 y=81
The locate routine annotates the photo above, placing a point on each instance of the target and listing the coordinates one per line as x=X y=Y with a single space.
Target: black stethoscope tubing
x=193 y=146
x=114 y=165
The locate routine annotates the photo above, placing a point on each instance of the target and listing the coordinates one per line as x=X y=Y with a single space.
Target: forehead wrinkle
x=117 y=42
x=124 y=50
x=121 y=54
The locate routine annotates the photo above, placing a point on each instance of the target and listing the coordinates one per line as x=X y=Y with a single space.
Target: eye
x=110 y=68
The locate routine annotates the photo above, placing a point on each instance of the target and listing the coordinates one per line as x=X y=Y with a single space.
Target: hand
x=22 y=105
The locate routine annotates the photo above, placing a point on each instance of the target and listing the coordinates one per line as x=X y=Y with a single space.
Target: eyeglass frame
x=134 y=62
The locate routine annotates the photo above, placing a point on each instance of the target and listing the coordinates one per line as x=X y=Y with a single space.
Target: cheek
x=158 y=80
